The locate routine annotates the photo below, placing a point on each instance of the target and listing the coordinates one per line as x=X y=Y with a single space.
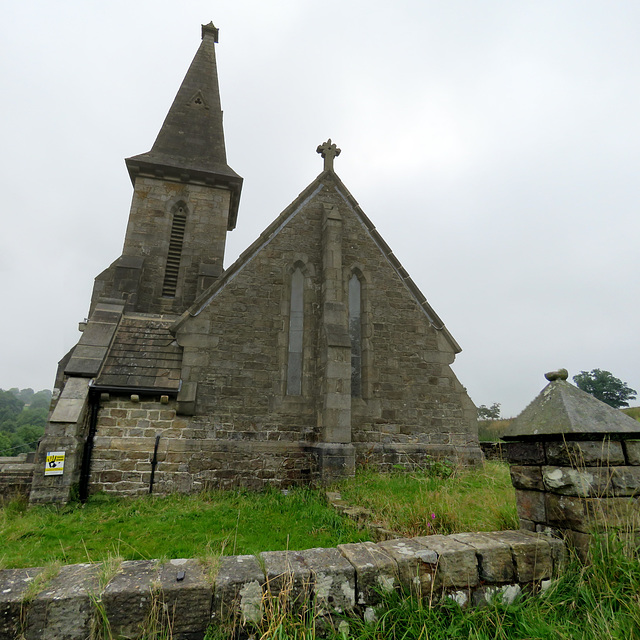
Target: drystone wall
x=574 y=487
x=470 y=568
x=493 y=450
x=15 y=476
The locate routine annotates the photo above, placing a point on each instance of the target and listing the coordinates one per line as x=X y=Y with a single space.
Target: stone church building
x=312 y=353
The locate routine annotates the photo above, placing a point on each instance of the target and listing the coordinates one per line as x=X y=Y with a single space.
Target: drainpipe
x=154 y=464
x=85 y=469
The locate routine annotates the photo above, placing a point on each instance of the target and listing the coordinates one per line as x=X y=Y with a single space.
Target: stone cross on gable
x=328 y=151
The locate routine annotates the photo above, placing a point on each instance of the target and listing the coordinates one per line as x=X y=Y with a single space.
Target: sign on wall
x=54 y=466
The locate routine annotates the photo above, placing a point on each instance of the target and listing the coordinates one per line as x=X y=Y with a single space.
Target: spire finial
x=328 y=151
x=209 y=29
x=560 y=374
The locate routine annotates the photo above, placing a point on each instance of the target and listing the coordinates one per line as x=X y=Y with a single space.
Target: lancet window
x=355 y=334
x=296 y=332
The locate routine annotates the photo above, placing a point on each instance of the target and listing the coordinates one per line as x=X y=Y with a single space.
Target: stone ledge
x=467 y=568
x=363 y=517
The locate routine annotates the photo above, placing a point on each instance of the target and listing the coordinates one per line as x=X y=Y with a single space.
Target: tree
x=40 y=400
x=5 y=445
x=22 y=394
x=29 y=435
x=22 y=425
x=30 y=416
x=10 y=406
x=489 y=413
x=606 y=387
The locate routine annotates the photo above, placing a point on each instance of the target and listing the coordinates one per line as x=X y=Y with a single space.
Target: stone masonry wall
x=192 y=455
x=15 y=476
x=246 y=430
x=148 y=234
x=572 y=487
x=410 y=394
x=469 y=568
x=236 y=348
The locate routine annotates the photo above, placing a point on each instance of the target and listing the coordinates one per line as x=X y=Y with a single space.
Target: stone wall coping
x=189 y=595
x=563 y=410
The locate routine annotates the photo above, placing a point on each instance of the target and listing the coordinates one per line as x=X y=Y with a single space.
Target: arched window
x=296 y=330
x=176 y=240
x=355 y=334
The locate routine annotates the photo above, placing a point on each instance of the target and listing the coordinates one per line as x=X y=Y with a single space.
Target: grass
x=177 y=526
x=633 y=412
x=492 y=430
x=588 y=602
x=440 y=499
x=242 y=522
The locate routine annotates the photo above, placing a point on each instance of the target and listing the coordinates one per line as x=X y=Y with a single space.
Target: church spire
x=190 y=145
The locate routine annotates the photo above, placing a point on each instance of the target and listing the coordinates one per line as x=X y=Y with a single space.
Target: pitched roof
x=190 y=144
x=143 y=354
x=326 y=177
x=561 y=409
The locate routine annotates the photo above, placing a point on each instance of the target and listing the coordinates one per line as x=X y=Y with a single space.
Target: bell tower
x=185 y=199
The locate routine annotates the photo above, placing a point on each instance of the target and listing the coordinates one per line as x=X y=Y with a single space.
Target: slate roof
x=143 y=355
x=562 y=409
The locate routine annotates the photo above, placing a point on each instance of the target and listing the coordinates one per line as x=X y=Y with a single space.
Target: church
x=313 y=353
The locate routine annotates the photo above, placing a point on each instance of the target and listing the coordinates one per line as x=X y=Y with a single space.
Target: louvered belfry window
x=176 y=241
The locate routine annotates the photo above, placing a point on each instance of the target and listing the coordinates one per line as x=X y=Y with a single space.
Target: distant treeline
x=23 y=414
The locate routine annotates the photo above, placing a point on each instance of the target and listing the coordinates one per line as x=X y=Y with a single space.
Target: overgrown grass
x=633 y=412
x=239 y=522
x=492 y=430
x=177 y=526
x=438 y=499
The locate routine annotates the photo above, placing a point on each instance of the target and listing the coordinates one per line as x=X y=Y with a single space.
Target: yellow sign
x=54 y=466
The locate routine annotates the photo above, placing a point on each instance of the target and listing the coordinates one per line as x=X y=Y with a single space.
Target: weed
x=407 y=502
x=40 y=582
x=15 y=506
x=100 y=627
x=210 y=560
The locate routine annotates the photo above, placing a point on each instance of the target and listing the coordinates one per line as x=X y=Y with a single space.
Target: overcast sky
x=494 y=144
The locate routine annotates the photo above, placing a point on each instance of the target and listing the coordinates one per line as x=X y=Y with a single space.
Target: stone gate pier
x=575 y=465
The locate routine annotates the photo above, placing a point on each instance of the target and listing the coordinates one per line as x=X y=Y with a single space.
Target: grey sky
x=495 y=145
